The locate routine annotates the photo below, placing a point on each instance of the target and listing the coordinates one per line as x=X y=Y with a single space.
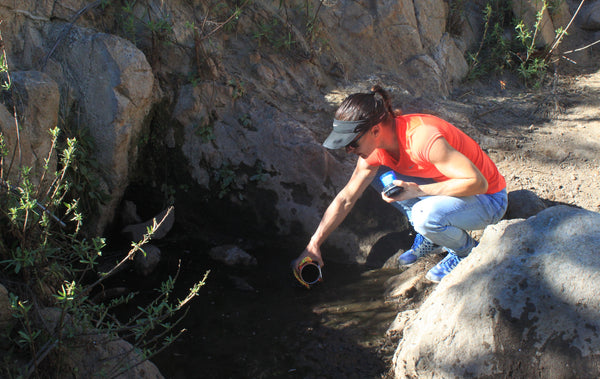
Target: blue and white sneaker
x=439 y=271
x=420 y=247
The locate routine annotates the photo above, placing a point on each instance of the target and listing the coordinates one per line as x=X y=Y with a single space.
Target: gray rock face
x=112 y=83
x=246 y=108
x=524 y=303
x=590 y=16
x=6 y=318
x=523 y=204
x=104 y=80
x=36 y=97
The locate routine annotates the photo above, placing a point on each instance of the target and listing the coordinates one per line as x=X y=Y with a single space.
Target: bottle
x=308 y=272
x=389 y=188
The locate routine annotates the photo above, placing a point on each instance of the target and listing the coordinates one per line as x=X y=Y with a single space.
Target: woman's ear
x=376 y=129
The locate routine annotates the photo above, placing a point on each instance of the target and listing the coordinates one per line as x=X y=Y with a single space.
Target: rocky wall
x=237 y=98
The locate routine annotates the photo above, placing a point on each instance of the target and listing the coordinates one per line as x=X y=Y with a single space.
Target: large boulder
x=36 y=102
x=590 y=16
x=6 y=317
x=524 y=303
x=112 y=84
x=397 y=32
x=100 y=82
x=88 y=352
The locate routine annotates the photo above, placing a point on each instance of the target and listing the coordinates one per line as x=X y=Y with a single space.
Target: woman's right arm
x=339 y=208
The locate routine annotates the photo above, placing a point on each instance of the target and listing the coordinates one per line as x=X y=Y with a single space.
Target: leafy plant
x=493 y=54
x=290 y=26
x=238 y=89
x=530 y=67
x=47 y=263
x=83 y=171
x=225 y=177
x=501 y=49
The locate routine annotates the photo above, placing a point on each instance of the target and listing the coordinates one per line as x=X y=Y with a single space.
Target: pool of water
x=257 y=322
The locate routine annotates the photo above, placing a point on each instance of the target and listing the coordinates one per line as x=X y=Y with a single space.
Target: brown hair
x=373 y=107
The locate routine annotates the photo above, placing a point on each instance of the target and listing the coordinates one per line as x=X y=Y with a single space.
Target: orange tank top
x=414 y=154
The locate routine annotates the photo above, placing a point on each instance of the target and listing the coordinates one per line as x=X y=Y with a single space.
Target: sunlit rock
x=524 y=303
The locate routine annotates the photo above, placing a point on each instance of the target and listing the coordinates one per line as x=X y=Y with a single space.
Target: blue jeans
x=445 y=220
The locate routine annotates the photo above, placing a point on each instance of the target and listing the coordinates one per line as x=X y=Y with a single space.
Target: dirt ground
x=547 y=141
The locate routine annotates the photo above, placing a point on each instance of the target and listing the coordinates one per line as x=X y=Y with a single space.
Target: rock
x=590 y=16
x=527 y=11
x=430 y=77
x=113 y=84
x=470 y=23
x=164 y=221
x=6 y=318
x=232 y=255
x=241 y=284
x=524 y=303
x=129 y=213
x=36 y=97
x=87 y=353
x=560 y=14
x=403 y=285
x=450 y=59
x=523 y=204
x=400 y=322
x=145 y=262
x=431 y=18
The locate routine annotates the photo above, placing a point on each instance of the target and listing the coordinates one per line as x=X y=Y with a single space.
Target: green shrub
x=47 y=263
x=509 y=44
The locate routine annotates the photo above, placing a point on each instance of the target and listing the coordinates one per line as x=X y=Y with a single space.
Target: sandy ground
x=546 y=141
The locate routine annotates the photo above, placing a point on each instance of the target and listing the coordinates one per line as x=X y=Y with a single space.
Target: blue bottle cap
x=387 y=178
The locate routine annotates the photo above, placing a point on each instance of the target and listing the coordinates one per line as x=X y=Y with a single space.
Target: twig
x=17 y=191
x=221 y=25
x=312 y=22
x=40 y=357
x=562 y=34
x=147 y=237
x=480 y=115
x=581 y=48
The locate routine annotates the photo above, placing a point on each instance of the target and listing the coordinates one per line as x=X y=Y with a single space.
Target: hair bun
x=376 y=88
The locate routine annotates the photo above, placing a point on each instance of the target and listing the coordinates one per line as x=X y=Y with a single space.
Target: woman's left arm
x=465 y=179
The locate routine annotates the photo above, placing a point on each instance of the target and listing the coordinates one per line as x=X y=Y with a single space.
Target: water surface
x=277 y=329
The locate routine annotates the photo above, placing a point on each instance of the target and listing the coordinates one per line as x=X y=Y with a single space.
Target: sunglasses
x=354 y=143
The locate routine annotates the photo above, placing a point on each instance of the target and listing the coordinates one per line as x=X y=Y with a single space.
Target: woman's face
x=364 y=144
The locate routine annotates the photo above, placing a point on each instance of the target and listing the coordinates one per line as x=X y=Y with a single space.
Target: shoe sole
x=437 y=250
x=407 y=264
x=433 y=280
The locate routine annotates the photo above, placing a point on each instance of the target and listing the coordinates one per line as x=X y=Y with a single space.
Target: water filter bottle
x=308 y=272
x=389 y=189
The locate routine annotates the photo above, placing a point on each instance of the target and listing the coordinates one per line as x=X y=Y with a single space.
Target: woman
x=450 y=186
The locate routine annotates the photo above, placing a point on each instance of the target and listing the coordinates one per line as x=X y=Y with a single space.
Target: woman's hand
x=311 y=251
x=410 y=190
